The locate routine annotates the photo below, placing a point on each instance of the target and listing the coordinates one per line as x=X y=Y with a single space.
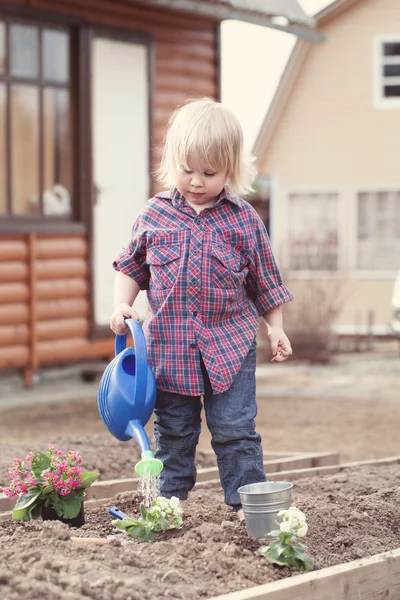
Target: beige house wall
x=331 y=137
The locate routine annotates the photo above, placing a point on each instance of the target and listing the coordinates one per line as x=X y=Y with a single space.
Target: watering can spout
x=136 y=431
x=148 y=466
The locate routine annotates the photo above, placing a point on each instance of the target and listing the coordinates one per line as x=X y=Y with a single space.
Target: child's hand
x=280 y=345
x=117 y=321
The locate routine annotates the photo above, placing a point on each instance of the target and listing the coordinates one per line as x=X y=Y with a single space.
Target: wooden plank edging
x=108 y=488
x=374 y=578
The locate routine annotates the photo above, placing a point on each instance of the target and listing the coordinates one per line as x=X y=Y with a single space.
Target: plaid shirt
x=208 y=277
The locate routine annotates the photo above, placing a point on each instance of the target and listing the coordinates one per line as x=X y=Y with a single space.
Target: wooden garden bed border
x=101 y=491
x=108 y=488
x=374 y=578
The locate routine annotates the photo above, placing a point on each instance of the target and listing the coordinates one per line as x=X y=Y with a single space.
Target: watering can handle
x=141 y=364
x=137 y=335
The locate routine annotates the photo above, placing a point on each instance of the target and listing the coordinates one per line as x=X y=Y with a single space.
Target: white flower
x=174 y=502
x=155 y=509
x=293 y=521
x=284 y=526
x=301 y=532
x=163 y=503
x=293 y=511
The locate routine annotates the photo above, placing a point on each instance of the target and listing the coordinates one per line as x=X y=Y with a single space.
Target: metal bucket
x=261 y=503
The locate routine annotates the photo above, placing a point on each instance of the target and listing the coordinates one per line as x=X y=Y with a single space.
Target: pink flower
x=29 y=457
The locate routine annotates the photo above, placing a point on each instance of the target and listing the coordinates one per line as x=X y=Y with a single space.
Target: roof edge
x=332 y=10
x=297 y=22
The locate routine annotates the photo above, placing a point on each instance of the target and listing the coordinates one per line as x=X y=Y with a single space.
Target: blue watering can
x=127 y=396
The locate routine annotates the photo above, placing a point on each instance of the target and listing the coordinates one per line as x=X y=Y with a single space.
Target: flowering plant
x=48 y=479
x=163 y=514
x=287 y=550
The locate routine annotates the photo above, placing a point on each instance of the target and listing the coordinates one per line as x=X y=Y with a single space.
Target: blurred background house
x=330 y=147
x=86 y=88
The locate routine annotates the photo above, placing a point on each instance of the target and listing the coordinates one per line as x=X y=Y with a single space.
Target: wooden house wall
x=185 y=49
x=45 y=303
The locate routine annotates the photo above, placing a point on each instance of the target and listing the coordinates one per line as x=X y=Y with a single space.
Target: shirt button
x=194 y=313
x=194 y=281
x=192 y=346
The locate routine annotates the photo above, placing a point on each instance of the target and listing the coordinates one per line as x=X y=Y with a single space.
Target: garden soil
x=351 y=515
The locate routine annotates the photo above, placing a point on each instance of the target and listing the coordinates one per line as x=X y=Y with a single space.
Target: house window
x=313 y=231
x=378 y=230
x=387 y=71
x=36 y=172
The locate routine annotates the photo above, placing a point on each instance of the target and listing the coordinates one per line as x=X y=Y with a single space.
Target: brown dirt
x=351 y=515
x=358 y=430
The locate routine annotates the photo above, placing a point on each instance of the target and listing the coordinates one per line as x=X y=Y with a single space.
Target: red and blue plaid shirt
x=208 y=277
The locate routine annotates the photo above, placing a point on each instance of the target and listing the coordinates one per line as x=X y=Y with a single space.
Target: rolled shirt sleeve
x=264 y=281
x=132 y=260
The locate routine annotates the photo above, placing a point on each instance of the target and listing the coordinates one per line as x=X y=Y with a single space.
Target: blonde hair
x=204 y=134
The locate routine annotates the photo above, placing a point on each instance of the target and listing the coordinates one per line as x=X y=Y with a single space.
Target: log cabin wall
x=44 y=303
x=46 y=314
x=185 y=48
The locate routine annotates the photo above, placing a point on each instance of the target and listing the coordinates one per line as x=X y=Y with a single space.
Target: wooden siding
x=44 y=302
x=186 y=59
x=330 y=136
x=45 y=310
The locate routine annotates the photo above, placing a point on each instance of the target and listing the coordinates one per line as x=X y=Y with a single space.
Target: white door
x=120 y=158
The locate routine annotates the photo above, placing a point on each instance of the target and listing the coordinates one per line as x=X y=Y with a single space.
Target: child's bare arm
x=125 y=291
x=279 y=342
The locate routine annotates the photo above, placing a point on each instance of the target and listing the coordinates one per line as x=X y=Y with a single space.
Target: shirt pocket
x=226 y=267
x=164 y=264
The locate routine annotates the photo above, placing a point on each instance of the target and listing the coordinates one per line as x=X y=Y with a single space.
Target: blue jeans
x=230 y=419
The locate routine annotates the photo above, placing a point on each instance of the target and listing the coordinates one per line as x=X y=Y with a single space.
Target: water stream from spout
x=149 y=488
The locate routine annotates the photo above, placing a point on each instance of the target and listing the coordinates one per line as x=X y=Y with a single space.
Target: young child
x=204 y=257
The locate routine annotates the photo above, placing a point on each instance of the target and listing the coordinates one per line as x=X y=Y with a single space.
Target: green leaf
x=136 y=530
x=20 y=515
x=143 y=511
x=40 y=463
x=275 y=561
x=163 y=524
x=36 y=511
x=28 y=499
x=55 y=501
x=276 y=549
x=71 y=505
x=300 y=546
x=275 y=533
x=88 y=478
x=148 y=535
x=305 y=562
x=308 y=563
x=125 y=524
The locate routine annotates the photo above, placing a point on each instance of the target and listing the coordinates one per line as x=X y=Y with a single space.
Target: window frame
x=380 y=101
x=311 y=273
x=355 y=272
x=78 y=220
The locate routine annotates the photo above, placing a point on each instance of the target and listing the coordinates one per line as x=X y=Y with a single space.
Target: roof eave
x=302 y=32
x=301 y=27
